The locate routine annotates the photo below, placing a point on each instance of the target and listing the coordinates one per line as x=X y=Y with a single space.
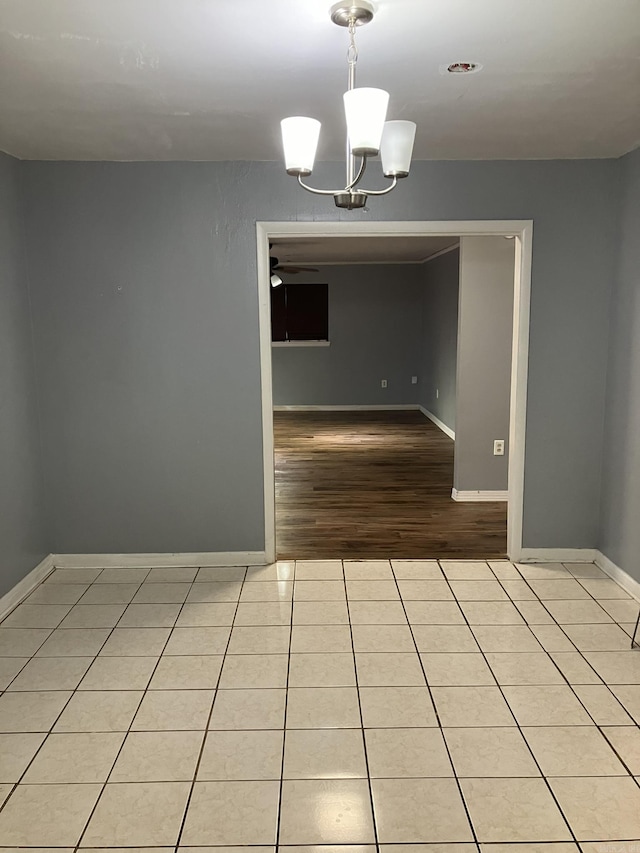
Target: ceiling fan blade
x=295 y=270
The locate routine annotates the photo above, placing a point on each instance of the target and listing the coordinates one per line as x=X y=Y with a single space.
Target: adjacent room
x=319 y=426
x=379 y=348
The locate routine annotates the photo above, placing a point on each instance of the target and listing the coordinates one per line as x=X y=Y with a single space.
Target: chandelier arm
x=359 y=176
x=388 y=189
x=315 y=190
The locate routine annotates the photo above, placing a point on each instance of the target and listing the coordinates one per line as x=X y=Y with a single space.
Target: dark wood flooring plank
x=374 y=484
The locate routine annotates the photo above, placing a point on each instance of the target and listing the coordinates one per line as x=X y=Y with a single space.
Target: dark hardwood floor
x=374 y=484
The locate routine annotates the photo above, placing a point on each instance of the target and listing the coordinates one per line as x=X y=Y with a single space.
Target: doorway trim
x=521 y=229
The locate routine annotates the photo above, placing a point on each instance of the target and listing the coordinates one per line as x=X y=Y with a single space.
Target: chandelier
x=368 y=133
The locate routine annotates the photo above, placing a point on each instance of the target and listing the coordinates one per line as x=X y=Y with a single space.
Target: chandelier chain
x=352 y=52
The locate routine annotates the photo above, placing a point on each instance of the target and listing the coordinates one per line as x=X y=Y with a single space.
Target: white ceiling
x=359 y=250
x=207 y=80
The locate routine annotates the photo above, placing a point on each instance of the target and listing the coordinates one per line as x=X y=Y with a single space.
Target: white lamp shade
x=365 y=110
x=300 y=141
x=396 y=148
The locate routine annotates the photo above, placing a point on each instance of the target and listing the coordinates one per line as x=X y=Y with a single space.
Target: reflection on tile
x=232 y=813
x=173 y=710
x=397 y=753
x=230 y=755
x=283 y=570
x=75 y=758
x=513 y=810
x=572 y=751
x=324 y=754
x=419 y=810
x=396 y=706
x=387 y=669
x=47 y=815
x=322 y=708
x=16 y=751
x=472 y=706
x=606 y=808
x=267 y=591
x=248 y=709
x=31 y=712
x=162 y=756
x=482 y=752
x=99 y=711
x=146 y=813
x=326 y=811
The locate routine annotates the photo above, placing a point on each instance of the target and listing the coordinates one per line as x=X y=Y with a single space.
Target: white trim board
x=133 y=561
x=521 y=229
x=624 y=579
x=557 y=555
x=441 y=424
x=463 y=496
x=23 y=588
x=401 y=407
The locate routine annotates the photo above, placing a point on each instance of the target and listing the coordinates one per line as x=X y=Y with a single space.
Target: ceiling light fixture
x=368 y=133
x=276 y=281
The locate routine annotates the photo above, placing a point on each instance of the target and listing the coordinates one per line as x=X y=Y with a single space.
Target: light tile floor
x=423 y=707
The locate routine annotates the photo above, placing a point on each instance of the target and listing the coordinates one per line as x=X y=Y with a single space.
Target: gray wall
x=23 y=530
x=374 y=330
x=620 y=533
x=485 y=331
x=151 y=394
x=440 y=282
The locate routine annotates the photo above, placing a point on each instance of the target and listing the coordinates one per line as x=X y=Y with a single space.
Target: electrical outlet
x=414 y=380
x=383 y=383
x=498 y=447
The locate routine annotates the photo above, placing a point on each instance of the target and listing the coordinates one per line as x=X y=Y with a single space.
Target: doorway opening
x=393 y=421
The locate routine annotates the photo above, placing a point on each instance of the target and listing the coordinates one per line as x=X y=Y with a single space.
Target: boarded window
x=300 y=312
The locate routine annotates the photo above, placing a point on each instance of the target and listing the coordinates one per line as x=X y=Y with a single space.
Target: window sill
x=300 y=343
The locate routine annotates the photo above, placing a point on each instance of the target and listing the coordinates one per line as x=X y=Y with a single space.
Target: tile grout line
x=286 y=708
x=499 y=686
x=374 y=817
x=206 y=730
x=128 y=731
x=435 y=708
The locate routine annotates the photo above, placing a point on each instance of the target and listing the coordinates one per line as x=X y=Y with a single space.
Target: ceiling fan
x=276 y=266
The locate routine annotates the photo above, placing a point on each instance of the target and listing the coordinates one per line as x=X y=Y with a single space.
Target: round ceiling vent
x=461 y=68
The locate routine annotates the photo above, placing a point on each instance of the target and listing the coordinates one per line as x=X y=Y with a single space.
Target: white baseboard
x=479 y=496
x=26 y=586
x=132 y=561
x=445 y=429
x=624 y=579
x=403 y=407
x=557 y=555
